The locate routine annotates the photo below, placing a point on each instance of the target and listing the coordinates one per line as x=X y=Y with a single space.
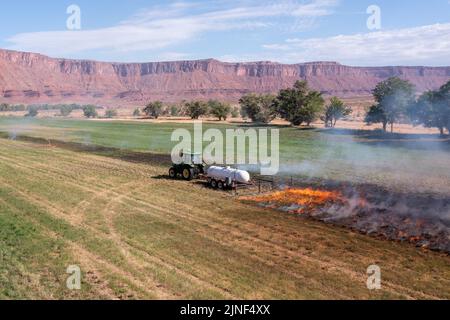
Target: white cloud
x=173 y=56
x=429 y=45
x=164 y=26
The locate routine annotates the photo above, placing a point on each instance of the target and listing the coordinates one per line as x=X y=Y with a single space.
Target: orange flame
x=306 y=199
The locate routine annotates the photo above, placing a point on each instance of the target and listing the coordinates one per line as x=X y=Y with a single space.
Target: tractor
x=191 y=167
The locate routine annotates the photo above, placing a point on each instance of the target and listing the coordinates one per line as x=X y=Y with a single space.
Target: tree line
x=193 y=109
x=4 y=107
x=89 y=110
x=298 y=105
x=395 y=102
x=65 y=109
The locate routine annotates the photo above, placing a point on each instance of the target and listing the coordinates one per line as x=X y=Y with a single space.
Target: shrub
x=335 y=111
x=299 y=104
x=32 y=112
x=219 y=110
x=65 y=110
x=259 y=108
x=174 y=110
x=111 y=113
x=393 y=97
x=90 y=111
x=235 y=112
x=137 y=112
x=154 y=109
x=196 y=109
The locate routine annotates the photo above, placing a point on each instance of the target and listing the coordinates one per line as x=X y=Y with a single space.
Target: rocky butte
x=35 y=78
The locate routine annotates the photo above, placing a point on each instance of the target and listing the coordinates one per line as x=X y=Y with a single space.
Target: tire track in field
x=358 y=277
x=231 y=231
x=39 y=291
x=334 y=265
x=55 y=211
x=101 y=192
x=107 y=164
x=109 y=215
x=328 y=265
x=38 y=287
x=116 y=194
x=361 y=277
x=275 y=231
x=278 y=248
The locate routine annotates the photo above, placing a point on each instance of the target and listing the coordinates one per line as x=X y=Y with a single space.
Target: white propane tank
x=220 y=173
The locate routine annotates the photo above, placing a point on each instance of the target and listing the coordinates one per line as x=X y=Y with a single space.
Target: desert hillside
x=34 y=78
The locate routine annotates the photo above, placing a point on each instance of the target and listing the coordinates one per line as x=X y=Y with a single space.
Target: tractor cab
x=192 y=158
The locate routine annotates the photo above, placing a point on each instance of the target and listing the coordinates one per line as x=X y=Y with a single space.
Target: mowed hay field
x=137 y=235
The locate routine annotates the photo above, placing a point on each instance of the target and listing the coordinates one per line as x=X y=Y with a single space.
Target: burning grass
x=422 y=221
x=300 y=201
x=134 y=240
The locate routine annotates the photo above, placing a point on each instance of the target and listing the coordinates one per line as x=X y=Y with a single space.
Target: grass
x=393 y=161
x=137 y=236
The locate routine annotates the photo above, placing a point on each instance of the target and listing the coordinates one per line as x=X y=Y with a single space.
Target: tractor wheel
x=213 y=184
x=220 y=185
x=187 y=174
x=172 y=173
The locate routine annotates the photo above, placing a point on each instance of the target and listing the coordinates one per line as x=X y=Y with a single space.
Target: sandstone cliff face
x=34 y=78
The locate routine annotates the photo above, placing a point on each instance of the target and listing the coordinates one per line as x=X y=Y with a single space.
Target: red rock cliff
x=34 y=78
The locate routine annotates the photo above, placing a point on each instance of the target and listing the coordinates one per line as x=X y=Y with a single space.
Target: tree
x=432 y=109
x=335 y=111
x=33 y=111
x=154 y=109
x=90 y=111
x=259 y=108
x=376 y=115
x=219 y=110
x=137 y=112
x=4 y=107
x=235 y=112
x=110 y=113
x=196 y=109
x=445 y=92
x=299 y=104
x=174 y=110
x=393 y=96
x=243 y=112
x=65 y=110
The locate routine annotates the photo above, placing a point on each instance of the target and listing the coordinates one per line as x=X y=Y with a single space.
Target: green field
x=396 y=161
x=138 y=235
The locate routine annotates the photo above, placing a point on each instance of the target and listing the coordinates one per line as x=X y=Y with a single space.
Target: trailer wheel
x=172 y=173
x=187 y=174
x=220 y=185
x=213 y=184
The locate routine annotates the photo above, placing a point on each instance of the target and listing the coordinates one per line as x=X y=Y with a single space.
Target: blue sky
x=413 y=32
